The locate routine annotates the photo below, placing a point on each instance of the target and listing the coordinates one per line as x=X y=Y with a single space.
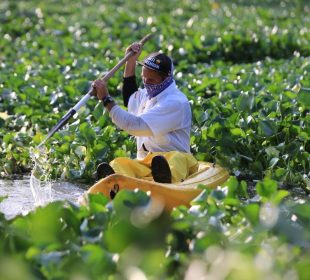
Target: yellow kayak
x=170 y=195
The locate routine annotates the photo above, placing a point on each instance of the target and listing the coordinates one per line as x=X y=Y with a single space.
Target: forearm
x=130 y=68
x=132 y=124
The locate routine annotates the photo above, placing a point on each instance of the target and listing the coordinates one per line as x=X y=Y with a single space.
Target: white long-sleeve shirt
x=161 y=123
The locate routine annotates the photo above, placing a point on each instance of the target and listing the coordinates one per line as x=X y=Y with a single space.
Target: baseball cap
x=158 y=62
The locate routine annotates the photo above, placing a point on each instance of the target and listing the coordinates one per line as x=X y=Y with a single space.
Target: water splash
x=40 y=182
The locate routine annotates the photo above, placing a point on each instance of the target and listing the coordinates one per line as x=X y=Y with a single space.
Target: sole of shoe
x=160 y=170
x=104 y=170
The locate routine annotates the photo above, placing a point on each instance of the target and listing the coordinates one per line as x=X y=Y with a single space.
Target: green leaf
x=126 y=200
x=272 y=152
x=202 y=197
x=120 y=153
x=119 y=236
x=70 y=90
x=266 y=188
x=279 y=173
x=267 y=128
x=237 y=132
x=7 y=138
x=257 y=166
x=38 y=138
x=273 y=162
x=217 y=194
x=231 y=201
x=3 y=198
x=98 y=111
x=87 y=132
x=251 y=212
x=214 y=130
x=232 y=185
x=304 y=98
x=279 y=195
x=302 y=267
x=97 y=258
x=245 y=102
x=242 y=190
x=80 y=151
x=43 y=227
x=97 y=203
x=64 y=148
x=100 y=150
x=302 y=210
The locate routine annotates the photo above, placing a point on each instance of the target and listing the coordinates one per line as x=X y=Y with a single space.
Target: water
x=40 y=183
x=21 y=200
x=37 y=189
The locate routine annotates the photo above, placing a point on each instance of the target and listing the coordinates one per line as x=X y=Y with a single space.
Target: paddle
x=89 y=94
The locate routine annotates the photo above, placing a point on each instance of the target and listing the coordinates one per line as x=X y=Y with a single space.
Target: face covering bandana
x=153 y=90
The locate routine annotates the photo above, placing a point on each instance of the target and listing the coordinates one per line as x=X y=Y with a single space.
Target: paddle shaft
x=90 y=93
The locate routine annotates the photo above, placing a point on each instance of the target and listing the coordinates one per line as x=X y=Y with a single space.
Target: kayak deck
x=171 y=195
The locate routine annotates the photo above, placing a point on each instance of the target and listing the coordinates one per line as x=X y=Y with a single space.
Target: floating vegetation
x=244 y=65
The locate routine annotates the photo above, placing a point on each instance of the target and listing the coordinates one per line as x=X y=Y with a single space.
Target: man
x=158 y=115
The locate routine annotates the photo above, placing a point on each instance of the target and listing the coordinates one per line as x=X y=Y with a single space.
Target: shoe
x=104 y=170
x=160 y=170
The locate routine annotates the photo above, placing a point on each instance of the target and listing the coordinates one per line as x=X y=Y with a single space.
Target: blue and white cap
x=158 y=62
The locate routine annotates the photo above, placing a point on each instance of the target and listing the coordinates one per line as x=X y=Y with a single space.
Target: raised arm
x=129 y=81
x=130 y=65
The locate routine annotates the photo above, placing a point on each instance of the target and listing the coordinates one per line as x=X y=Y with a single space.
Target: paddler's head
x=156 y=68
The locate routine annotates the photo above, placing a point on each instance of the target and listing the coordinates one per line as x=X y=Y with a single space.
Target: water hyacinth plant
x=243 y=65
